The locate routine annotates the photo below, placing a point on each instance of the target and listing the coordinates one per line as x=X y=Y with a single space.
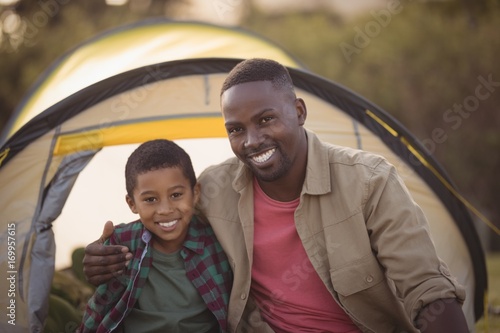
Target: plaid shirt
x=206 y=267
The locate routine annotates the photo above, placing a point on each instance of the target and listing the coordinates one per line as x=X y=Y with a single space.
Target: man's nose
x=253 y=138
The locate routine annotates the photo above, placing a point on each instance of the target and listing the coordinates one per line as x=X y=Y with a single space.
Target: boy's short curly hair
x=157 y=154
x=259 y=69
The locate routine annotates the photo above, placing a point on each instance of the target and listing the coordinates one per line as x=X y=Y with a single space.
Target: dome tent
x=164 y=83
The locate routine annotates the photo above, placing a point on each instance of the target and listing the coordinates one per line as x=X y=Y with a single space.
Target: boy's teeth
x=264 y=157
x=168 y=224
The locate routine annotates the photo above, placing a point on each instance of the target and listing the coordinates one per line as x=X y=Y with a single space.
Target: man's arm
x=442 y=315
x=103 y=262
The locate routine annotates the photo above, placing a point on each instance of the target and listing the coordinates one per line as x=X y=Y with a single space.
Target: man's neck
x=281 y=190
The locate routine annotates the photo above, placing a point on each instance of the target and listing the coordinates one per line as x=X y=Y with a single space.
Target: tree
x=33 y=34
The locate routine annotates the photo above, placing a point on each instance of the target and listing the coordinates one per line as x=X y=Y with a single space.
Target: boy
x=179 y=278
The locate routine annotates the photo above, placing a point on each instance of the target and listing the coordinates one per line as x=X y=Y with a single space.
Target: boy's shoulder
x=135 y=225
x=127 y=232
x=201 y=232
x=200 y=224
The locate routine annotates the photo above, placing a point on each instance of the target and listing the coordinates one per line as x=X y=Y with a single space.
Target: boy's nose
x=165 y=207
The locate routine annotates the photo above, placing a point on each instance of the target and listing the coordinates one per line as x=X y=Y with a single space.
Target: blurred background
x=433 y=65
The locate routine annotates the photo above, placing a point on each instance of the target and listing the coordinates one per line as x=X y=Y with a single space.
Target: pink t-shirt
x=288 y=290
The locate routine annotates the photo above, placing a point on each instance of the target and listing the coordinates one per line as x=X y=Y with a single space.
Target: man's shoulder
x=230 y=163
x=228 y=168
x=341 y=155
x=352 y=156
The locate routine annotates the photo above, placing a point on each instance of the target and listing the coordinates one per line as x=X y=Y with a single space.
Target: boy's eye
x=176 y=195
x=150 y=199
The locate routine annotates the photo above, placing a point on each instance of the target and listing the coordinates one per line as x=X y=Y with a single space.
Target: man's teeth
x=168 y=224
x=264 y=157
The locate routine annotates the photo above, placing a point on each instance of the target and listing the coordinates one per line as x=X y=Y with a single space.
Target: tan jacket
x=366 y=238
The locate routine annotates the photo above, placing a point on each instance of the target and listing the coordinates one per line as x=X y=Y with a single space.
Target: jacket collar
x=317 y=180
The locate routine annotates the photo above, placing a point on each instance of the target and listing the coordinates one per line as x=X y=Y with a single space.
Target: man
x=321 y=238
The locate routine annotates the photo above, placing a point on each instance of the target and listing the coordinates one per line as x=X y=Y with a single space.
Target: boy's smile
x=168 y=225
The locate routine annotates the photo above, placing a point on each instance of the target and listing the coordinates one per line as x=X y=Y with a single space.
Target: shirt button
x=369 y=279
x=243 y=296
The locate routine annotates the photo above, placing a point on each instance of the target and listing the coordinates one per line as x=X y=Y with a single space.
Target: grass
x=492 y=324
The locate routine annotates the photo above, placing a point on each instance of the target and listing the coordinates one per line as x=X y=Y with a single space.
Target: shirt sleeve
x=400 y=236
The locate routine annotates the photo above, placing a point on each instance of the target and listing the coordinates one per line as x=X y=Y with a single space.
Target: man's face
x=165 y=202
x=264 y=125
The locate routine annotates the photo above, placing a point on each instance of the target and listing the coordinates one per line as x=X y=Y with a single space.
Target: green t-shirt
x=169 y=302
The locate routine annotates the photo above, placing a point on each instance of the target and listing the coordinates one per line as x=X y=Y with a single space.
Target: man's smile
x=263 y=157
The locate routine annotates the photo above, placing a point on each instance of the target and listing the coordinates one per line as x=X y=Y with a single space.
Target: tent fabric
x=145 y=43
x=43 y=251
x=182 y=101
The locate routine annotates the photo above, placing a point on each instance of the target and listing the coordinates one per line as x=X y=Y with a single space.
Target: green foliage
x=62 y=317
x=491 y=324
x=68 y=297
x=47 y=30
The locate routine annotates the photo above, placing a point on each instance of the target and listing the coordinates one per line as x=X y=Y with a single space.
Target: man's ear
x=131 y=203
x=301 y=108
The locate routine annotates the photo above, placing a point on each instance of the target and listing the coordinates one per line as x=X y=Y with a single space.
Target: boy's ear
x=197 y=192
x=131 y=203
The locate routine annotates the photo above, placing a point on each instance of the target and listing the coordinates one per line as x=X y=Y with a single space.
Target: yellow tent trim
x=172 y=129
x=436 y=173
x=382 y=123
x=485 y=317
x=4 y=154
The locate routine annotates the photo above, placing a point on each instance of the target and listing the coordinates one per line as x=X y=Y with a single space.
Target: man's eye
x=234 y=130
x=266 y=119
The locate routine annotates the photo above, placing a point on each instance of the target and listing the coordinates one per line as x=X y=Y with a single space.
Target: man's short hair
x=154 y=155
x=258 y=69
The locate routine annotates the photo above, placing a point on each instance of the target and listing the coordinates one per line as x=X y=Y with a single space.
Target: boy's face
x=165 y=203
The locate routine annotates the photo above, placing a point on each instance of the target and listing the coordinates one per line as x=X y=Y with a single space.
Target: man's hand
x=442 y=315
x=101 y=262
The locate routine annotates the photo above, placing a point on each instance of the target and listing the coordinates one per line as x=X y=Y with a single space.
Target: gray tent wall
x=32 y=147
